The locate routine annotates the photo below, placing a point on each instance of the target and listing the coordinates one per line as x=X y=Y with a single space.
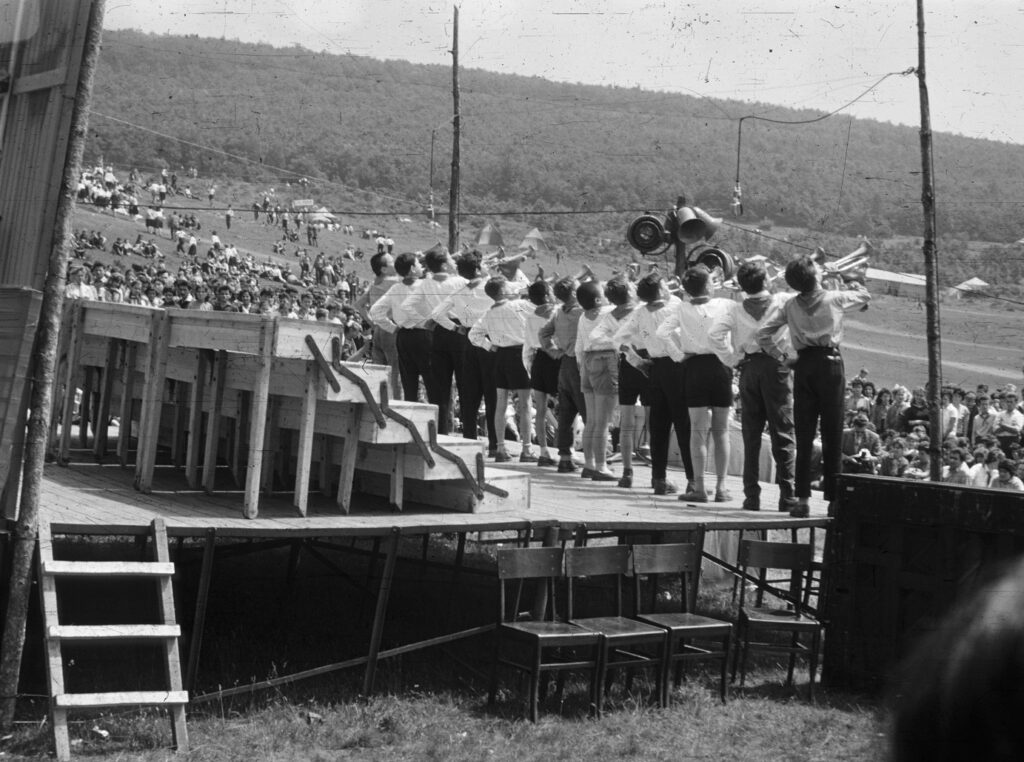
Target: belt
x=415 y=328
x=827 y=351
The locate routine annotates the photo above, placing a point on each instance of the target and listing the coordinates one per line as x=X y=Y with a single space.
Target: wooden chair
x=627 y=642
x=553 y=646
x=679 y=561
x=785 y=613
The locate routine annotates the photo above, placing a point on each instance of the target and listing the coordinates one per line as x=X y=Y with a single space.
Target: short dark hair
x=468 y=264
x=538 y=291
x=404 y=263
x=434 y=259
x=495 y=286
x=616 y=290
x=752 y=277
x=587 y=294
x=648 y=288
x=564 y=289
x=802 y=274
x=695 y=280
x=375 y=262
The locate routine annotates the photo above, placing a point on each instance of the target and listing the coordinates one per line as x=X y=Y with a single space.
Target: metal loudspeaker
x=712 y=258
x=646 y=234
x=695 y=224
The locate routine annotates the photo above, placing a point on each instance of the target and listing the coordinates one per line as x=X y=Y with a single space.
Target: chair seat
x=552 y=633
x=778 y=619
x=619 y=627
x=694 y=625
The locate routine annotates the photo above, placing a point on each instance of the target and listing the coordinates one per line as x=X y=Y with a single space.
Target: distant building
x=896 y=284
x=970 y=287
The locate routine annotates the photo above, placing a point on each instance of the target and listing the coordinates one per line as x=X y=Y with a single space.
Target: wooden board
x=19 y=313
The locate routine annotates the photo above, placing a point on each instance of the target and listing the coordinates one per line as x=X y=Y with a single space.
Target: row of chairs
x=546 y=642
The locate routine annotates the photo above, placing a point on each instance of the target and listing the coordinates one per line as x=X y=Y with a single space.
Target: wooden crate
x=899 y=554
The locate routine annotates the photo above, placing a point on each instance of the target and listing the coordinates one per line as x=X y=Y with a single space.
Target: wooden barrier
x=899 y=555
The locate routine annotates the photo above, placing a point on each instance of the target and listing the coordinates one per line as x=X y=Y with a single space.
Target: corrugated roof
x=888 y=276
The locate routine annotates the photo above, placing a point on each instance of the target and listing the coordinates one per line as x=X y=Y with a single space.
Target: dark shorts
x=708 y=382
x=544 y=373
x=599 y=373
x=509 y=372
x=633 y=385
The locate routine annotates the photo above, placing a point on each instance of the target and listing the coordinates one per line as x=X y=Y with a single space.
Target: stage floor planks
x=89 y=498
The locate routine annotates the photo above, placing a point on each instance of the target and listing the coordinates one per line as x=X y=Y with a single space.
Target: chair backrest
x=794 y=557
x=516 y=564
x=681 y=559
x=596 y=561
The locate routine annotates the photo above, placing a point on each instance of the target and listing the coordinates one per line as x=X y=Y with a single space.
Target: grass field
x=427 y=705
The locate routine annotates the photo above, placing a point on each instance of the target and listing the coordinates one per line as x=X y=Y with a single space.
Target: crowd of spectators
x=888 y=433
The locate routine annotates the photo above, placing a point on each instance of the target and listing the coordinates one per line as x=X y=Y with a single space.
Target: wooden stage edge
x=87 y=498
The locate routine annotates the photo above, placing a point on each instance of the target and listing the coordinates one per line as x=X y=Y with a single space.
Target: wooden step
x=126 y=698
x=456 y=494
x=379 y=459
x=113 y=631
x=107 y=568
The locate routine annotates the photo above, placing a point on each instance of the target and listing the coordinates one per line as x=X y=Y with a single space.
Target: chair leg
x=815 y=648
x=601 y=665
x=726 y=646
x=535 y=676
x=492 y=688
x=666 y=666
x=744 y=647
x=794 y=643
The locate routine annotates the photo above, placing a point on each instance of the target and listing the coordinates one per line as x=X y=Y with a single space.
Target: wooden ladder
x=161 y=570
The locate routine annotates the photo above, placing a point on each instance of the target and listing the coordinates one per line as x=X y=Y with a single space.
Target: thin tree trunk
x=47 y=336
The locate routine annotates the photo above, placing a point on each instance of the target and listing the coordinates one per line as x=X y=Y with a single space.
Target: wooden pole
x=47 y=337
x=931 y=263
x=453 y=191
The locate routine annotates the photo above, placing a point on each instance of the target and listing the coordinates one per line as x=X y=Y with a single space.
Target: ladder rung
x=112 y=631
x=131 y=698
x=109 y=568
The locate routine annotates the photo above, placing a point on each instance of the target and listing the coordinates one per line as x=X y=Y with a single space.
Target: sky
x=794 y=53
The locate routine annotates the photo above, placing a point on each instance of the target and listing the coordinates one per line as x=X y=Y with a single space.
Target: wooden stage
x=88 y=498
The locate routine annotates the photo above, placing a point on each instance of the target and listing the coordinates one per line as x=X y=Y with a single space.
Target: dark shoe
x=753 y=504
x=694 y=497
x=566 y=467
x=663 y=487
x=722 y=496
x=587 y=473
x=627 y=478
x=603 y=476
x=787 y=504
x=801 y=510
x=502 y=457
x=491 y=452
x=527 y=457
x=544 y=460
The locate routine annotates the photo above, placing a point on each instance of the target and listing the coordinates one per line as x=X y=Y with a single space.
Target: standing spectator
x=1009 y=422
x=384 y=350
x=984 y=421
x=211 y=193
x=228 y=215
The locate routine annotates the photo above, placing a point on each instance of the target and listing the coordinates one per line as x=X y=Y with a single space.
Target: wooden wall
x=36 y=128
x=899 y=555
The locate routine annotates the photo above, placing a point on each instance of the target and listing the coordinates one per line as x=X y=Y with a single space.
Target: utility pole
x=931 y=263
x=433 y=137
x=453 y=192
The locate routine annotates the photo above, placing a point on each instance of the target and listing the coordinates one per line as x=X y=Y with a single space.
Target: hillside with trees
x=552 y=152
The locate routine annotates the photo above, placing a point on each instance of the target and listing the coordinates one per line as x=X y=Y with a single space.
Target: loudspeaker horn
x=646 y=234
x=695 y=224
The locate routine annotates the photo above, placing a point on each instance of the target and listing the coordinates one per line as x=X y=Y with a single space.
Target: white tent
x=490 y=236
x=535 y=240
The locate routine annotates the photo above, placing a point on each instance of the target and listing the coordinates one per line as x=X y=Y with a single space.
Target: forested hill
x=530 y=144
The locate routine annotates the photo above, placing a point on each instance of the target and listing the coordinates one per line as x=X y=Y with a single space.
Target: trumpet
x=846 y=269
